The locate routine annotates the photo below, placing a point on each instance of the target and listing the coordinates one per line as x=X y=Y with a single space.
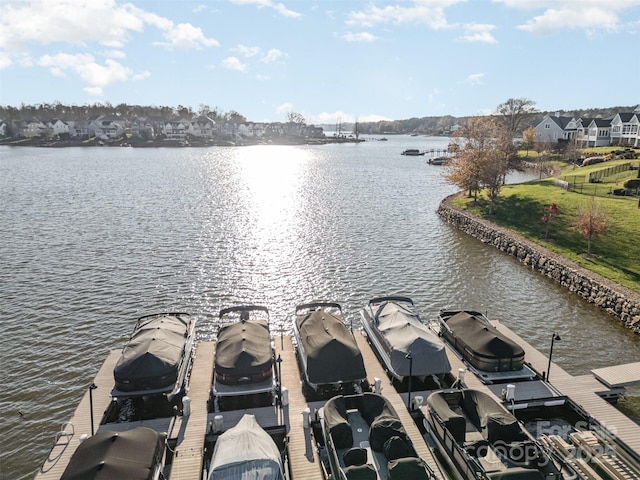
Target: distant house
x=625 y=128
x=311 y=131
x=57 y=127
x=4 y=129
x=142 y=127
x=553 y=128
x=29 y=128
x=107 y=127
x=596 y=134
x=176 y=130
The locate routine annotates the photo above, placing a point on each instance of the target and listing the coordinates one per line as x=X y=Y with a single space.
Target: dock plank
x=303 y=455
x=189 y=453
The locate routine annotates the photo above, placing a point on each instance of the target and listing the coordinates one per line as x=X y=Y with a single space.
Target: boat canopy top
x=246 y=451
x=243 y=349
x=152 y=358
x=483 y=338
x=132 y=454
x=332 y=353
x=406 y=334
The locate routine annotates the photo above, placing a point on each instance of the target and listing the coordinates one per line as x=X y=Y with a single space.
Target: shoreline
x=617 y=300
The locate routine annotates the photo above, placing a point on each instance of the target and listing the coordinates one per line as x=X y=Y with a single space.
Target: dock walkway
x=189 y=454
x=585 y=391
x=618 y=375
x=304 y=461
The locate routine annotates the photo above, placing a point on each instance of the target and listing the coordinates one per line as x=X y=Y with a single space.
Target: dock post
x=92 y=387
x=555 y=336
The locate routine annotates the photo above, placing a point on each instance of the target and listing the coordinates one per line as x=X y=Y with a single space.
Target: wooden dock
x=188 y=432
x=304 y=461
x=586 y=391
x=189 y=453
x=618 y=375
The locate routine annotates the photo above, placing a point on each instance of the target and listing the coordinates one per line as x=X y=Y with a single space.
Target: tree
x=512 y=112
x=528 y=139
x=293 y=117
x=591 y=221
x=482 y=155
x=550 y=212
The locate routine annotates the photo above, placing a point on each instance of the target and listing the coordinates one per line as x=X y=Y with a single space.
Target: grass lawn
x=615 y=255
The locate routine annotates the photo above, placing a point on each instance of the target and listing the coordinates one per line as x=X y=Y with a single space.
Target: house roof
x=562 y=122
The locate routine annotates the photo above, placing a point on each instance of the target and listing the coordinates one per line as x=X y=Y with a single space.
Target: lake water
x=93 y=238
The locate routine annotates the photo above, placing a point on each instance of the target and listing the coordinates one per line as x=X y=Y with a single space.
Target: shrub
x=632 y=183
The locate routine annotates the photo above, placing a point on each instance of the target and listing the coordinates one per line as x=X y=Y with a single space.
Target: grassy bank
x=615 y=255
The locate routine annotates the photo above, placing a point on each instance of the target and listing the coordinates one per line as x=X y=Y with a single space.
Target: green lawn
x=615 y=255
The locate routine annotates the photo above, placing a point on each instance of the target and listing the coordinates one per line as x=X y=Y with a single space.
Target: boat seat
x=501 y=426
x=397 y=447
x=409 y=468
x=361 y=472
x=382 y=429
x=354 y=456
x=335 y=416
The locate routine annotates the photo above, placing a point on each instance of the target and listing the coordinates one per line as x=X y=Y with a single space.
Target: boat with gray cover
x=406 y=346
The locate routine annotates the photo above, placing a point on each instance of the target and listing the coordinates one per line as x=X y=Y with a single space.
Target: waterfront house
x=107 y=127
x=57 y=127
x=552 y=128
x=625 y=128
x=596 y=134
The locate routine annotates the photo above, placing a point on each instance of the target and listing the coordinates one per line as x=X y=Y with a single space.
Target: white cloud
x=474 y=79
x=559 y=15
x=279 y=7
x=364 y=37
x=284 y=108
x=246 y=51
x=70 y=21
x=475 y=32
x=234 y=63
x=263 y=78
x=427 y=12
x=186 y=37
x=94 y=75
x=272 y=55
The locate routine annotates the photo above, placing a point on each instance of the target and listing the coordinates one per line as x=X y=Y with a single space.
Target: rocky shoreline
x=616 y=299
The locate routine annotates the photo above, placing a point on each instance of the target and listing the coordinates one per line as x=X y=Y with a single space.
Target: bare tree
x=590 y=221
x=293 y=117
x=512 y=112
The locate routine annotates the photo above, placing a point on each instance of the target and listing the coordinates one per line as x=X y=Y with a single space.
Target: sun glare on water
x=270 y=182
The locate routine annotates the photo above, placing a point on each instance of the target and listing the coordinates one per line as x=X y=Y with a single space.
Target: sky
x=327 y=60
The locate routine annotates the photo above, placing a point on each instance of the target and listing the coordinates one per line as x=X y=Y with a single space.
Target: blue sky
x=329 y=60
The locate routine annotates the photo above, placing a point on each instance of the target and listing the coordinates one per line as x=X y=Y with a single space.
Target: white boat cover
x=246 y=452
x=404 y=333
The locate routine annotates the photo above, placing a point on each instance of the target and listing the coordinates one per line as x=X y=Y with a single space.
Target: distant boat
x=412 y=152
x=439 y=161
